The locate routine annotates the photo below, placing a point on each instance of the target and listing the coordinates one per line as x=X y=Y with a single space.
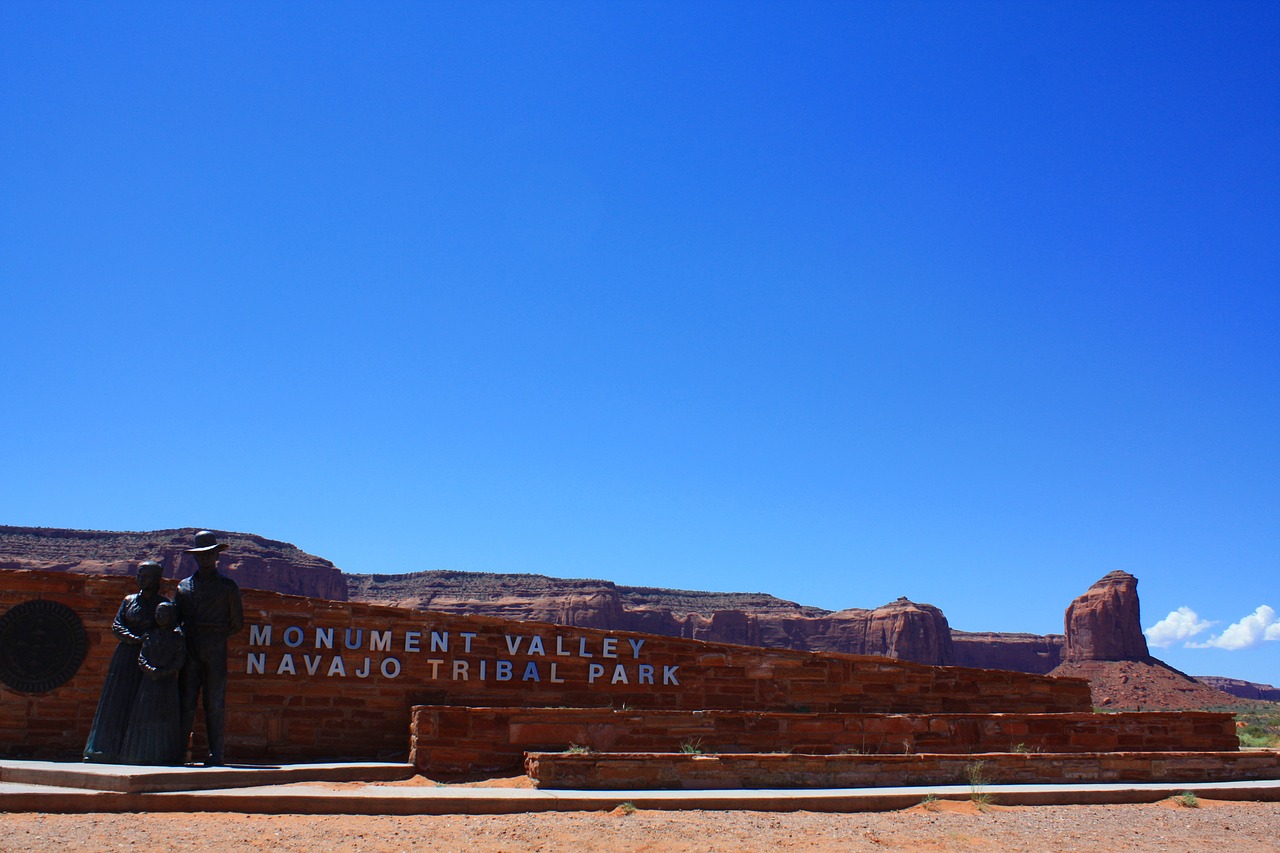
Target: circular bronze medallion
x=42 y=644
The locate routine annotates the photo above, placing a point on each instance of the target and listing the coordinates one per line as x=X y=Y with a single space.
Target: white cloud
x=1262 y=624
x=1181 y=624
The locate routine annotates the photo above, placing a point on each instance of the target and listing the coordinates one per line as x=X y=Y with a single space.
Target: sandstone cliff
x=1104 y=623
x=1103 y=640
x=1105 y=644
x=901 y=629
x=1240 y=688
x=251 y=561
x=1038 y=653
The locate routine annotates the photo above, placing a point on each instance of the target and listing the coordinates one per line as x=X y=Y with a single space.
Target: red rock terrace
x=320 y=680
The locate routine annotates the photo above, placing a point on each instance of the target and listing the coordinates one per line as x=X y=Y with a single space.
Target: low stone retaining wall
x=642 y=771
x=452 y=739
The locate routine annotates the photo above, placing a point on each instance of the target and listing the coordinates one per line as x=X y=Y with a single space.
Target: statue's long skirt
x=106 y=737
x=155 y=726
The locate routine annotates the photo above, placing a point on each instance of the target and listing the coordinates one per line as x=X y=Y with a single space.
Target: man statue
x=209 y=611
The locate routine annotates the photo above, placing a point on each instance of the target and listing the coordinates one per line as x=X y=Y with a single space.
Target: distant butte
x=252 y=560
x=1103 y=638
x=1104 y=623
x=901 y=629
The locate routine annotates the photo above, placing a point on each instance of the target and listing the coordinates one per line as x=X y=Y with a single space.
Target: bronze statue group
x=169 y=653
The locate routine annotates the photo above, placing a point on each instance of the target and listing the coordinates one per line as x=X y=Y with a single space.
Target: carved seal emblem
x=42 y=644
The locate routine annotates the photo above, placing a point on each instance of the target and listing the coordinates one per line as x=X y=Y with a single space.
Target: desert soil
x=1166 y=827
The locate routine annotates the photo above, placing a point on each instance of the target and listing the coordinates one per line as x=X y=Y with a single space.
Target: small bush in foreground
x=979 y=778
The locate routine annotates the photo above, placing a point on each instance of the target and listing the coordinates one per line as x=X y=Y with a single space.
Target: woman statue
x=136 y=616
x=154 y=734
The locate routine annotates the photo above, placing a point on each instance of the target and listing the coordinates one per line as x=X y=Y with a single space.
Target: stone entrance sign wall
x=312 y=679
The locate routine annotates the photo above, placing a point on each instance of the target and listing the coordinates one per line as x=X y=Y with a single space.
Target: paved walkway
x=309 y=789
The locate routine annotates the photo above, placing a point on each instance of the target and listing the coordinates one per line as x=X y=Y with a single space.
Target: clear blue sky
x=967 y=302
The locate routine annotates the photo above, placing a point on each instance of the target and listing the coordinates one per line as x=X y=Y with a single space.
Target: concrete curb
x=374 y=799
x=130 y=779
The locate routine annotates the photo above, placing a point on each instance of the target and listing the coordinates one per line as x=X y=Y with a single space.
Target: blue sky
x=968 y=302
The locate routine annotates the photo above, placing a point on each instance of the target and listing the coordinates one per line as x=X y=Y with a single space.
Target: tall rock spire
x=1104 y=624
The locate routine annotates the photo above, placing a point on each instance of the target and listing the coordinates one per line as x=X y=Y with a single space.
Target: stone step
x=648 y=771
x=131 y=779
x=460 y=739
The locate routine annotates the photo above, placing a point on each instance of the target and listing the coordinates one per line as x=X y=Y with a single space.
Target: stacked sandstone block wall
x=312 y=679
x=648 y=771
x=47 y=723
x=450 y=739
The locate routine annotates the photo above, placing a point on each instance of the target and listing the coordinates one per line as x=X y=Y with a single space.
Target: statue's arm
x=121 y=630
x=180 y=599
x=235 y=619
x=176 y=661
x=149 y=669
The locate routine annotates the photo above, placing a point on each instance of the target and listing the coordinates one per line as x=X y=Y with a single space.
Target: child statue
x=154 y=734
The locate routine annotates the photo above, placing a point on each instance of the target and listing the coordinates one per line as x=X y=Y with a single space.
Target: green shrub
x=979 y=778
x=1258 y=732
x=692 y=747
x=1255 y=738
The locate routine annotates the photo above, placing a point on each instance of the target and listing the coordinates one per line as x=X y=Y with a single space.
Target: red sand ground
x=1161 y=827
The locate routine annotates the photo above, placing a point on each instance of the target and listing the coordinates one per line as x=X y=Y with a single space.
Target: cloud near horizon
x=1182 y=624
x=1254 y=629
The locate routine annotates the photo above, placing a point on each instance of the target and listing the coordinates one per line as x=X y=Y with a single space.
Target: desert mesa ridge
x=1102 y=626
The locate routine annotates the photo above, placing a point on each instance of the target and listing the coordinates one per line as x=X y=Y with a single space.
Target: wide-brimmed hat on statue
x=206 y=541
